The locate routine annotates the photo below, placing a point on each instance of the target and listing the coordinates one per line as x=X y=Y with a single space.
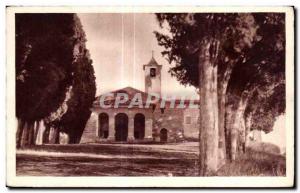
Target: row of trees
x=240 y=59
x=55 y=82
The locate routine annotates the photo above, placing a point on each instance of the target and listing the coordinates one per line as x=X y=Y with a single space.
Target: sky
x=120 y=44
x=278 y=135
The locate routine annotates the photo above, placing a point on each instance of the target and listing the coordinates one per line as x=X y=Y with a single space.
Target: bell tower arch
x=152 y=77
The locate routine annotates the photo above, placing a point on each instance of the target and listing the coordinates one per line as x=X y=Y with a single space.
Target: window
x=152 y=72
x=188 y=120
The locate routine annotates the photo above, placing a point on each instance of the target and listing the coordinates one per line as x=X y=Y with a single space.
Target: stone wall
x=191 y=129
x=90 y=131
x=170 y=119
x=90 y=134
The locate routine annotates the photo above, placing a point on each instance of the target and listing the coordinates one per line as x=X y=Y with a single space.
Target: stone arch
x=103 y=125
x=139 y=126
x=163 y=135
x=121 y=127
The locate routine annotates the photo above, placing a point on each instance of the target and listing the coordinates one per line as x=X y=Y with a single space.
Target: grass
x=255 y=163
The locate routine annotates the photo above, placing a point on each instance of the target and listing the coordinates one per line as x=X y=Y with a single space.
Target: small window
x=152 y=72
x=188 y=120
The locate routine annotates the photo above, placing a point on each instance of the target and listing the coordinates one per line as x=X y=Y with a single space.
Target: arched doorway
x=103 y=125
x=121 y=127
x=139 y=126
x=163 y=135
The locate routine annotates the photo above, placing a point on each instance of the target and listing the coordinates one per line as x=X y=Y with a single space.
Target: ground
x=135 y=160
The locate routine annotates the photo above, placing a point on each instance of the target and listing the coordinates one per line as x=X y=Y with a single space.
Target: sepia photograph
x=103 y=94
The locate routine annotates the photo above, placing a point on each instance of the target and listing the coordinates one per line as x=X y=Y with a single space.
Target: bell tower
x=152 y=77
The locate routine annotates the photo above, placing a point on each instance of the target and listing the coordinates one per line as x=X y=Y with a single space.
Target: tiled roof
x=131 y=92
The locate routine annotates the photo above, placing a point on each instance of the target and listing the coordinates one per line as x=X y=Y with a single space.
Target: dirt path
x=85 y=155
x=108 y=160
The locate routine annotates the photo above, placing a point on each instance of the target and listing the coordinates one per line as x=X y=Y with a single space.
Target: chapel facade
x=139 y=116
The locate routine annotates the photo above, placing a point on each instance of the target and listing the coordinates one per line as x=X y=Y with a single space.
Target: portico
x=123 y=125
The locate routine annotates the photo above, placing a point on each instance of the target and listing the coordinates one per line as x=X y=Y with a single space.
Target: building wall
x=172 y=119
x=90 y=134
x=90 y=131
x=191 y=129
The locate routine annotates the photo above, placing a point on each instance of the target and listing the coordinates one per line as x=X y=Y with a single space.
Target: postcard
x=150 y=97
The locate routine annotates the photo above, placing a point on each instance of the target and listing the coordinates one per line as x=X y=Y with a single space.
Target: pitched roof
x=152 y=62
x=131 y=92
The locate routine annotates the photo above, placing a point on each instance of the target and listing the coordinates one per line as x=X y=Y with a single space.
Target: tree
x=263 y=108
x=52 y=68
x=270 y=101
x=83 y=90
x=44 y=57
x=255 y=78
x=218 y=45
x=83 y=96
x=209 y=42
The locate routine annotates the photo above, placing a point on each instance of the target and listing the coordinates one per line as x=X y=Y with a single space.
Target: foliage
x=268 y=73
x=254 y=43
x=51 y=58
x=268 y=108
x=44 y=54
x=263 y=63
x=83 y=90
x=235 y=32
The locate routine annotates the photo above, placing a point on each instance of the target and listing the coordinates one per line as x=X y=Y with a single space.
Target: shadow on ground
x=139 y=160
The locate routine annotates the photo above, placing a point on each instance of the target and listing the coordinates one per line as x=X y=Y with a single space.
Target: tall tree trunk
x=221 y=145
x=222 y=88
x=24 y=138
x=31 y=134
x=46 y=135
x=228 y=125
x=19 y=133
x=57 y=136
x=27 y=134
x=241 y=136
x=208 y=134
x=36 y=130
x=53 y=135
x=248 y=123
x=40 y=133
x=236 y=125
